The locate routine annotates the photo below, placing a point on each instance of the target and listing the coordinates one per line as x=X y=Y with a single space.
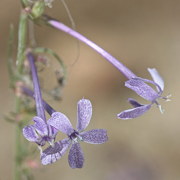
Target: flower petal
x=134 y=103
x=30 y=133
x=53 y=153
x=84 y=113
x=142 y=89
x=61 y=122
x=40 y=126
x=95 y=136
x=52 y=131
x=133 y=113
x=156 y=77
x=76 y=157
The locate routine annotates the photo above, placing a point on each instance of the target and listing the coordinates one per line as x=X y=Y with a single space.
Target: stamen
x=160 y=108
x=167 y=98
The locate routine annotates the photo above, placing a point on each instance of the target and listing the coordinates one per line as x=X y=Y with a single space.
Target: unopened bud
x=38 y=9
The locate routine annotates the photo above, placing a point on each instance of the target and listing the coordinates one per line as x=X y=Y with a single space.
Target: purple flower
x=62 y=123
x=145 y=91
x=135 y=83
x=40 y=131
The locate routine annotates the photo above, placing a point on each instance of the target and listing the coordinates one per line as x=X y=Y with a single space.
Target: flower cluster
x=62 y=123
x=43 y=131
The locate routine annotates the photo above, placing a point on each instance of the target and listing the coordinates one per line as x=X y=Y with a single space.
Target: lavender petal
x=52 y=131
x=40 y=126
x=61 y=122
x=76 y=157
x=95 y=136
x=53 y=153
x=142 y=89
x=156 y=77
x=30 y=133
x=133 y=113
x=84 y=113
x=134 y=103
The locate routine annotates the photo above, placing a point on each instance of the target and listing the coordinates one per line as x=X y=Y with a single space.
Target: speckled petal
x=84 y=113
x=134 y=113
x=156 y=77
x=134 y=103
x=76 y=157
x=30 y=133
x=40 y=126
x=52 y=154
x=142 y=89
x=95 y=136
x=52 y=131
x=61 y=122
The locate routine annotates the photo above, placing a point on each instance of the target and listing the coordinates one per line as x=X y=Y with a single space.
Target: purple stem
x=30 y=93
x=121 y=67
x=37 y=91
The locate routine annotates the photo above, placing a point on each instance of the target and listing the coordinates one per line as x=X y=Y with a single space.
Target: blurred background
x=141 y=34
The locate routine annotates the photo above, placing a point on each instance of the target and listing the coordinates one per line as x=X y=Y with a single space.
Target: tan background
x=142 y=34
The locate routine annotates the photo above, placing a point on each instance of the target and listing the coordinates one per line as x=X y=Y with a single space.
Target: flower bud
x=38 y=9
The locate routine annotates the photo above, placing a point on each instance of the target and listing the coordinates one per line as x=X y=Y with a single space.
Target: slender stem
x=30 y=93
x=22 y=32
x=18 y=145
x=37 y=90
x=32 y=38
x=10 y=55
x=121 y=67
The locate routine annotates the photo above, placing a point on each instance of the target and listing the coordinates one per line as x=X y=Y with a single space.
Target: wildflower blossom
x=145 y=91
x=62 y=123
x=40 y=132
x=135 y=83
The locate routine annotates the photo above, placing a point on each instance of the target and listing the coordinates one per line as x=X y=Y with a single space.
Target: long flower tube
x=40 y=132
x=137 y=84
x=37 y=92
x=116 y=63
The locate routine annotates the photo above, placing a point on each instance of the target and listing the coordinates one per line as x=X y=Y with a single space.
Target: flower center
x=74 y=136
